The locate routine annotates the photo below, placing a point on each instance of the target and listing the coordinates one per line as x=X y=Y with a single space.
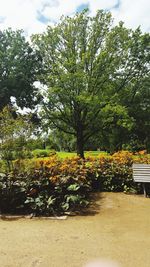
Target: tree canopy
x=19 y=66
x=94 y=73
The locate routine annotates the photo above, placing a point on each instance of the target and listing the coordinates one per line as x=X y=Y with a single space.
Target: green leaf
x=50 y=201
x=73 y=187
x=65 y=206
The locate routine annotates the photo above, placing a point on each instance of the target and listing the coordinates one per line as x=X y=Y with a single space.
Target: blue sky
x=82 y=7
x=34 y=15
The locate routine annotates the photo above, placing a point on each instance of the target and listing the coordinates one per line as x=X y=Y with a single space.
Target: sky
x=34 y=15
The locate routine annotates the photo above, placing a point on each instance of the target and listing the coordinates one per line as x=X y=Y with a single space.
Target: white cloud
x=134 y=13
x=33 y=15
x=102 y=4
x=20 y=14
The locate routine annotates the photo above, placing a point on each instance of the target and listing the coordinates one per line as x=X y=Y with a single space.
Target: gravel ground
x=118 y=228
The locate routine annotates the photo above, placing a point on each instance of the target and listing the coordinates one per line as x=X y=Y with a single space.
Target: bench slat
x=141 y=165
x=143 y=169
x=141 y=174
x=142 y=181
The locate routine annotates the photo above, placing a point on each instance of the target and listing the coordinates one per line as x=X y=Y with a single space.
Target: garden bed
x=52 y=187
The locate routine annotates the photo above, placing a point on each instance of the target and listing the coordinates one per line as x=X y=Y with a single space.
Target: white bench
x=141 y=174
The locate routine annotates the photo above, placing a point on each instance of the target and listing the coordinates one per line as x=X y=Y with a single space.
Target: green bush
x=41 y=153
x=22 y=193
x=53 y=186
x=12 y=193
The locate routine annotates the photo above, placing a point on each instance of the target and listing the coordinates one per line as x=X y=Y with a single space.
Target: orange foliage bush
x=52 y=185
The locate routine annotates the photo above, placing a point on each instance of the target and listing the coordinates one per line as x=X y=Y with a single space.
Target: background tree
x=140 y=110
x=14 y=135
x=61 y=141
x=135 y=135
x=90 y=67
x=19 y=65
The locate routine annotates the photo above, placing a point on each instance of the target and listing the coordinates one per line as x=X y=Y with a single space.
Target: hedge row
x=54 y=186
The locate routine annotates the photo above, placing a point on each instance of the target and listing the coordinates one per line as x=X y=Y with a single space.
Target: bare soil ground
x=118 y=228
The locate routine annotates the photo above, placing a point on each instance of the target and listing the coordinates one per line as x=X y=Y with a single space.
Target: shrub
x=46 y=189
x=12 y=193
x=53 y=186
x=41 y=153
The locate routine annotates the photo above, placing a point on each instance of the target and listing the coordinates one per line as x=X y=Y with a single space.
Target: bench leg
x=144 y=189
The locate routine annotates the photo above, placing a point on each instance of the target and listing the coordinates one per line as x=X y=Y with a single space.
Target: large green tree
x=89 y=67
x=19 y=65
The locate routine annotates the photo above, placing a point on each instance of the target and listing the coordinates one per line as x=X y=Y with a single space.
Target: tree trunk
x=80 y=144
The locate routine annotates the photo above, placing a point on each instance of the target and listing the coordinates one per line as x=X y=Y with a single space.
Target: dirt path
x=120 y=231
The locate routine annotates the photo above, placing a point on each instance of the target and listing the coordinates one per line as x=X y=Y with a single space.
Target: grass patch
x=96 y=153
x=64 y=154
